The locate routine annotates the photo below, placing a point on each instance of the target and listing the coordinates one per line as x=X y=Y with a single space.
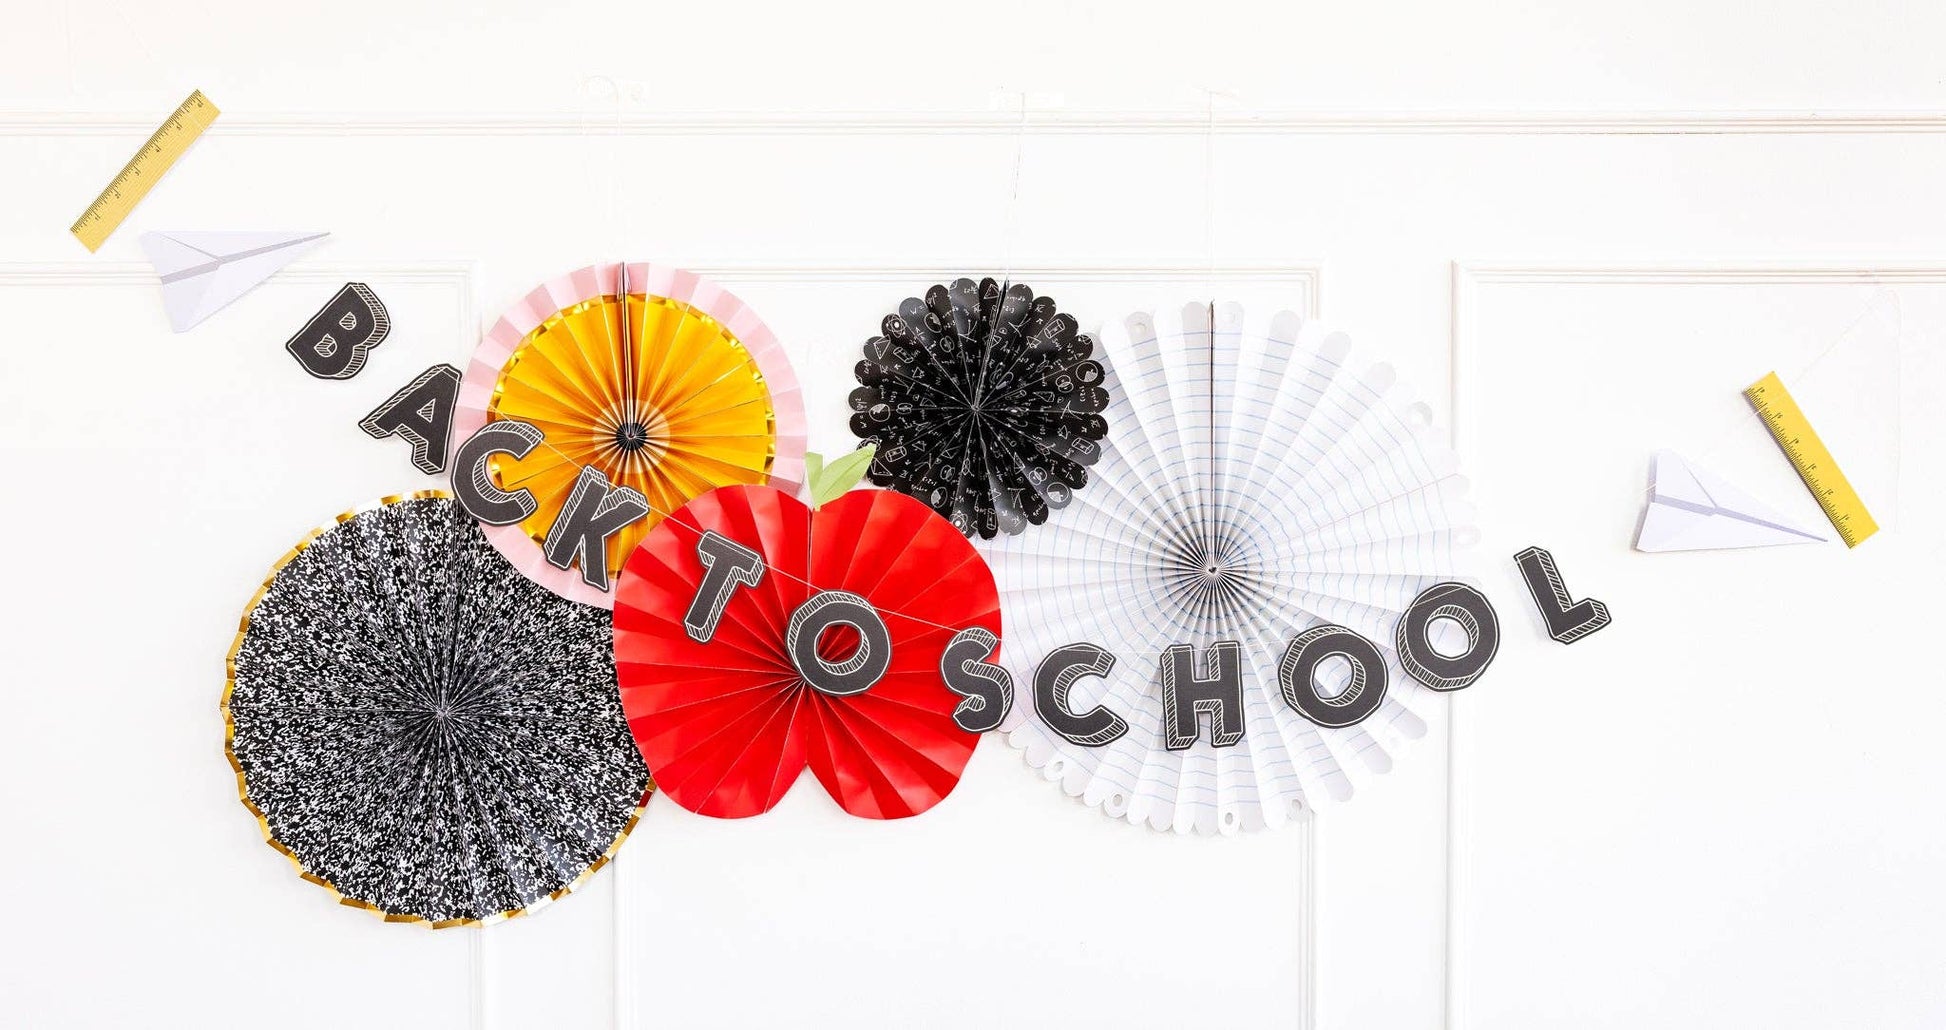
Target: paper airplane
x=1692 y=510
x=203 y=271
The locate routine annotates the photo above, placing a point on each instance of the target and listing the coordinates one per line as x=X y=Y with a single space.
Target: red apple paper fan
x=727 y=723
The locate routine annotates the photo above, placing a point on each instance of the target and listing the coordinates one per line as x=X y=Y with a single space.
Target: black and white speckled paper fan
x=984 y=401
x=1258 y=482
x=423 y=730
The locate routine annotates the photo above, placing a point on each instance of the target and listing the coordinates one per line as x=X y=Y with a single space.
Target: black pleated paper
x=985 y=402
x=424 y=729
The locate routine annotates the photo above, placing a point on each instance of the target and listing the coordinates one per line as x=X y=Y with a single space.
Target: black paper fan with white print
x=422 y=729
x=985 y=402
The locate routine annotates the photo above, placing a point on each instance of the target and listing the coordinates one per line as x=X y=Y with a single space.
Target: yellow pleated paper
x=674 y=407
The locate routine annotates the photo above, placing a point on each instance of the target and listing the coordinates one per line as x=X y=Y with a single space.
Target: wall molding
x=456 y=274
x=1469 y=277
x=626 y=1001
x=459 y=275
x=1472 y=274
x=463 y=275
x=1306 y=1004
x=1309 y=274
x=1306 y=273
x=1039 y=123
x=97 y=273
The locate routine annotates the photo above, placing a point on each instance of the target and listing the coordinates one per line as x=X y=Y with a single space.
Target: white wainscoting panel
x=1715 y=813
x=1711 y=812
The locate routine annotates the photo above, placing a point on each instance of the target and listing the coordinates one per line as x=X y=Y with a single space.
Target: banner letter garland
x=336 y=341
x=1263 y=513
x=663 y=383
x=755 y=637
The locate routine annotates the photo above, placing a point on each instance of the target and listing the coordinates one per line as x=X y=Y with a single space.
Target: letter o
x=1472 y=612
x=1297 y=676
x=867 y=664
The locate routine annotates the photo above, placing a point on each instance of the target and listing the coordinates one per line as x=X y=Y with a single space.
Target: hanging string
x=1210 y=556
x=1898 y=395
x=161 y=70
x=1732 y=424
x=1209 y=327
x=1156 y=653
x=1209 y=191
x=1010 y=218
x=608 y=182
x=1010 y=232
x=616 y=219
x=512 y=484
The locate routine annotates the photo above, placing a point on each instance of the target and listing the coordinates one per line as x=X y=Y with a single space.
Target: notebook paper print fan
x=1256 y=483
x=728 y=723
x=984 y=402
x=424 y=731
x=677 y=391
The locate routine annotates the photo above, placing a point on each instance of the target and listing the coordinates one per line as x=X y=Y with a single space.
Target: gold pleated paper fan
x=685 y=393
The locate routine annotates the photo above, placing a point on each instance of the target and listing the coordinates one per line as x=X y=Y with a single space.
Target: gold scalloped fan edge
x=263 y=822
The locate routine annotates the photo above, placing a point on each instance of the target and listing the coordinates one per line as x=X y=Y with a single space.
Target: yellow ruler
x=103 y=216
x=1813 y=462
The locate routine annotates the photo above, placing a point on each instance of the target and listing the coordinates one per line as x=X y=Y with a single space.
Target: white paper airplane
x=1692 y=510
x=203 y=271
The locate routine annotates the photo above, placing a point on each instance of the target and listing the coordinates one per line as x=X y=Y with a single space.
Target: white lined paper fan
x=1255 y=482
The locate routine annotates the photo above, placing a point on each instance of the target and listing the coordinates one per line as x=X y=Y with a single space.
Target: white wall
x=1578 y=227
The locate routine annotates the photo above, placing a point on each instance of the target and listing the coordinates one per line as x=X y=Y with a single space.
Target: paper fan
x=687 y=393
x=721 y=709
x=1256 y=485
x=984 y=402
x=423 y=731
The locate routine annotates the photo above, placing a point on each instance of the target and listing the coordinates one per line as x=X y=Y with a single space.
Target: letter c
x=473 y=485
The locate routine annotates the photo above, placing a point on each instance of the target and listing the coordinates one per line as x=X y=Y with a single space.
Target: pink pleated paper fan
x=675 y=391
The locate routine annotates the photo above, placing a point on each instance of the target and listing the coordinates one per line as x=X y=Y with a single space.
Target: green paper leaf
x=813 y=467
x=829 y=482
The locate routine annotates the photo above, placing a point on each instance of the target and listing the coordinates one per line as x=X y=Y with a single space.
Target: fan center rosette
x=726 y=708
x=984 y=402
x=1256 y=484
x=660 y=380
x=422 y=730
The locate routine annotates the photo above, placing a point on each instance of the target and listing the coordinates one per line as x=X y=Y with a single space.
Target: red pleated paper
x=726 y=726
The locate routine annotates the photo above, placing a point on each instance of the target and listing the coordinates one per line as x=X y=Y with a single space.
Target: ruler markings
x=1813 y=462
x=156 y=156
